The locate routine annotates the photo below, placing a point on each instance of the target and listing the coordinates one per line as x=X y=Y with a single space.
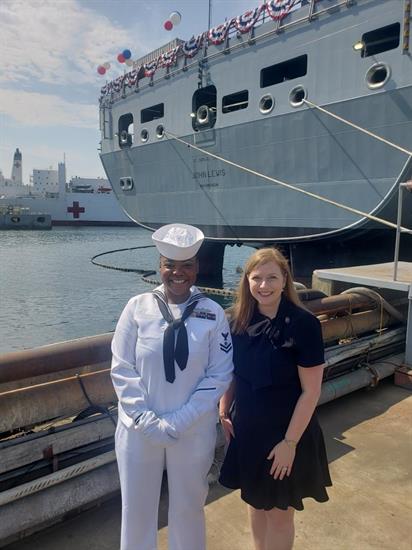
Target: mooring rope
x=147 y=273
x=360 y=128
x=289 y=185
x=144 y=272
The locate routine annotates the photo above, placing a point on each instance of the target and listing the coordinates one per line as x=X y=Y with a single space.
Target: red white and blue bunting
x=130 y=79
x=218 y=34
x=192 y=46
x=168 y=59
x=150 y=68
x=245 y=22
x=117 y=84
x=278 y=9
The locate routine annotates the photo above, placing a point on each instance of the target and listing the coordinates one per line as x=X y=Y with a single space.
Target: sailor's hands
x=144 y=420
x=161 y=433
x=283 y=455
x=181 y=419
x=169 y=428
x=157 y=430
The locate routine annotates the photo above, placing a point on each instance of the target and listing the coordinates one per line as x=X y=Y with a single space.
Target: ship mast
x=202 y=64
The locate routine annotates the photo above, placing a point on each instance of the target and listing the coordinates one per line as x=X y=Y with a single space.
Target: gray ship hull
x=295 y=144
x=307 y=149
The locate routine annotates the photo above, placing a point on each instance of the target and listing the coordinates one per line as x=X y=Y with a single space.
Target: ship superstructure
x=17 y=170
x=239 y=92
x=10 y=187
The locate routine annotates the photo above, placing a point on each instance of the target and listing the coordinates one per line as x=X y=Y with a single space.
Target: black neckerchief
x=180 y=353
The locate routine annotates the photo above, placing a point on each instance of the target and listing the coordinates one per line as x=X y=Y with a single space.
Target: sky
x=49 y=85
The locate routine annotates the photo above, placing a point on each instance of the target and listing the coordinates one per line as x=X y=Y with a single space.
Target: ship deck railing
x=305 y=14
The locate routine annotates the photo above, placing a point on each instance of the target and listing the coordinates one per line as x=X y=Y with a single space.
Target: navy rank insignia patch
x=225 y=345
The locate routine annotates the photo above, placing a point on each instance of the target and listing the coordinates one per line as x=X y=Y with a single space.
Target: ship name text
x=209 y=174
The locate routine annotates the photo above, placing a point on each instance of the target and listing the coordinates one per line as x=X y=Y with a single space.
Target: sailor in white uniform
x=172 y=361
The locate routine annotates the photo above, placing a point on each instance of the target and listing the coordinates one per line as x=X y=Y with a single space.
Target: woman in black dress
x=276 y=453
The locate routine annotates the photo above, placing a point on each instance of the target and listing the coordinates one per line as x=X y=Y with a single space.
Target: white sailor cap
x=178 y=241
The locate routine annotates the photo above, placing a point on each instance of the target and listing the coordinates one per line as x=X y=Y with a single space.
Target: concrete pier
x=369 y=440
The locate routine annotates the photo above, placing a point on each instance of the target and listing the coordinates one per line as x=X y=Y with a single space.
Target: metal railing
x=281 y=25
x=408 y=186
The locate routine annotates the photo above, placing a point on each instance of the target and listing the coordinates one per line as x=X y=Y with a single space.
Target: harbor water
x=51 y=292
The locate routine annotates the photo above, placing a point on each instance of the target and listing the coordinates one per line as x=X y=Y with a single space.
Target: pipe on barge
x=350 y=326
x=52 y=358
x=367 y=376
x=65 y=397
x=38 y=402
x=90 y=350
x=27 y=406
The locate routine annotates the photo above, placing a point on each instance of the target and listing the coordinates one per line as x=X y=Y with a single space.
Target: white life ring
x=203 y=115
x=124 y=137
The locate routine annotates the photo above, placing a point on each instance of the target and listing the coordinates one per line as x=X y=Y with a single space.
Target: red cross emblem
x=76 y=209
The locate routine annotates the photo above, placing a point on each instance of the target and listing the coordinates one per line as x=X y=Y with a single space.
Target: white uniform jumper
x=189 y=405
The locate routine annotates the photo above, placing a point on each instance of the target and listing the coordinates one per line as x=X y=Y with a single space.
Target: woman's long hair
x=242 y=310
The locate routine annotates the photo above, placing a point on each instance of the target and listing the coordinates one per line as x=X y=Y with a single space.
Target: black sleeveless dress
x=267 y=389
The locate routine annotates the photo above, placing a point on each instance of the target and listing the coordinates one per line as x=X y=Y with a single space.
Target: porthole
x=266 y=104
x=41 y=219
x=126 y=184
x=15 y=219
x=144 y=135
x=377 y=75
x=297 y=95
x=160 y=131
